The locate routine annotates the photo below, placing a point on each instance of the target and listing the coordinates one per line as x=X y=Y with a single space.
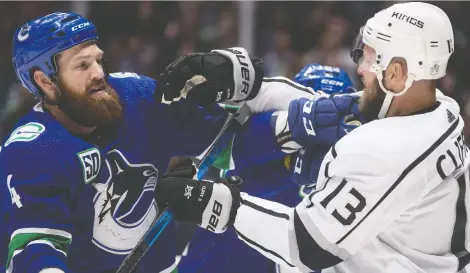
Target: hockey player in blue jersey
x=81 y=168
x=274 y=180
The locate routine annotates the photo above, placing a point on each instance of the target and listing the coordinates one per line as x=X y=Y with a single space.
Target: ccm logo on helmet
x=408 y=19
x=77 y=27
x=332 y=82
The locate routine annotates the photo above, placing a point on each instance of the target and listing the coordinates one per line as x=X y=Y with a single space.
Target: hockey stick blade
x=231 y=125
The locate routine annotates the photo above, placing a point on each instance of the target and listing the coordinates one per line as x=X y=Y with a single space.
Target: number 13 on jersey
x=351 y=208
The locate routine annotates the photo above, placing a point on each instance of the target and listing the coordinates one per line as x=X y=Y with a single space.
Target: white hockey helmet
x=420 y=33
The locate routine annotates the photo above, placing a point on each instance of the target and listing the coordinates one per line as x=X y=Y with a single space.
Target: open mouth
x=97 y=90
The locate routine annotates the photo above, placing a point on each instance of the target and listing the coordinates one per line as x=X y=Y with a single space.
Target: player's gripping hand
x=325 y=120
x=230 y=75
x=305 y=165
x=211 y=205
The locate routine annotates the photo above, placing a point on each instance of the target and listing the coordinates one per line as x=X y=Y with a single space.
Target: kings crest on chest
x=124 y=203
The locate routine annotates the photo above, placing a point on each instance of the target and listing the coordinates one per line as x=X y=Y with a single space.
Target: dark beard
x=371 y=101
x=88 y=110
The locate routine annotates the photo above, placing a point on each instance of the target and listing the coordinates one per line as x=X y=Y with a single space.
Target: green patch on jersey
x=28 y=132
x=21 y=240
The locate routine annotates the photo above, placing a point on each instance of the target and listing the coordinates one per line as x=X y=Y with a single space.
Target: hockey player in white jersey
x=392 y=195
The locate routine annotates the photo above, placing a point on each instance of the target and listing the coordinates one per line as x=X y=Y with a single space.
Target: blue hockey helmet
x=325 y=78
x=37 y=42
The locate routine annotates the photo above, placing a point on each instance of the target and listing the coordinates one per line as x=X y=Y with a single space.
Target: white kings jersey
x=392 y=197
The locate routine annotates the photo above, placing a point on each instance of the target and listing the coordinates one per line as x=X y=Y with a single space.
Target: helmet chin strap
x=389 y=94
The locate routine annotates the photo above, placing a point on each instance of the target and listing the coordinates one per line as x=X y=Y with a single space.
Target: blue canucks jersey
x=83 y=206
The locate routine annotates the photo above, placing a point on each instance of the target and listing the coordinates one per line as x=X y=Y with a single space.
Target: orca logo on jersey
x=124 y=204
x=91 y=162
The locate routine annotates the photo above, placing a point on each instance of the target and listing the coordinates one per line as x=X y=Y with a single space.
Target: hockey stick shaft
x=231 y=125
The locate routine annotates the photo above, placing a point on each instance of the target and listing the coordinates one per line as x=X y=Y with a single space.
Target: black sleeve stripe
x=404 y=174
x=334 y=154
x=333 y=194
x=310 y=253
x=333 y=151
x=251 y=242
x=264 y=210
x=453 y=158
x=327 y=166
x=310 y=197
x=457 y=245
x=291 y=83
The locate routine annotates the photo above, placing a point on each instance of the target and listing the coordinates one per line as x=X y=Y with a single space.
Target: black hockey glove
x=212 y=206
x=230 y=75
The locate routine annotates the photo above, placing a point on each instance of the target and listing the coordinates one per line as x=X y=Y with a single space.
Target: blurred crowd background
x=144 y=37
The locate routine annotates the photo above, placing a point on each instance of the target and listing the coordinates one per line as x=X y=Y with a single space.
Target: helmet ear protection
x=37 y=43
x=420 y=33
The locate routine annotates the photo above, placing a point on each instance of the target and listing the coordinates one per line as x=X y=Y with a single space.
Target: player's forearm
x=267 y=227
x=279 y=233
x=276 y=93
x=309 y=122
